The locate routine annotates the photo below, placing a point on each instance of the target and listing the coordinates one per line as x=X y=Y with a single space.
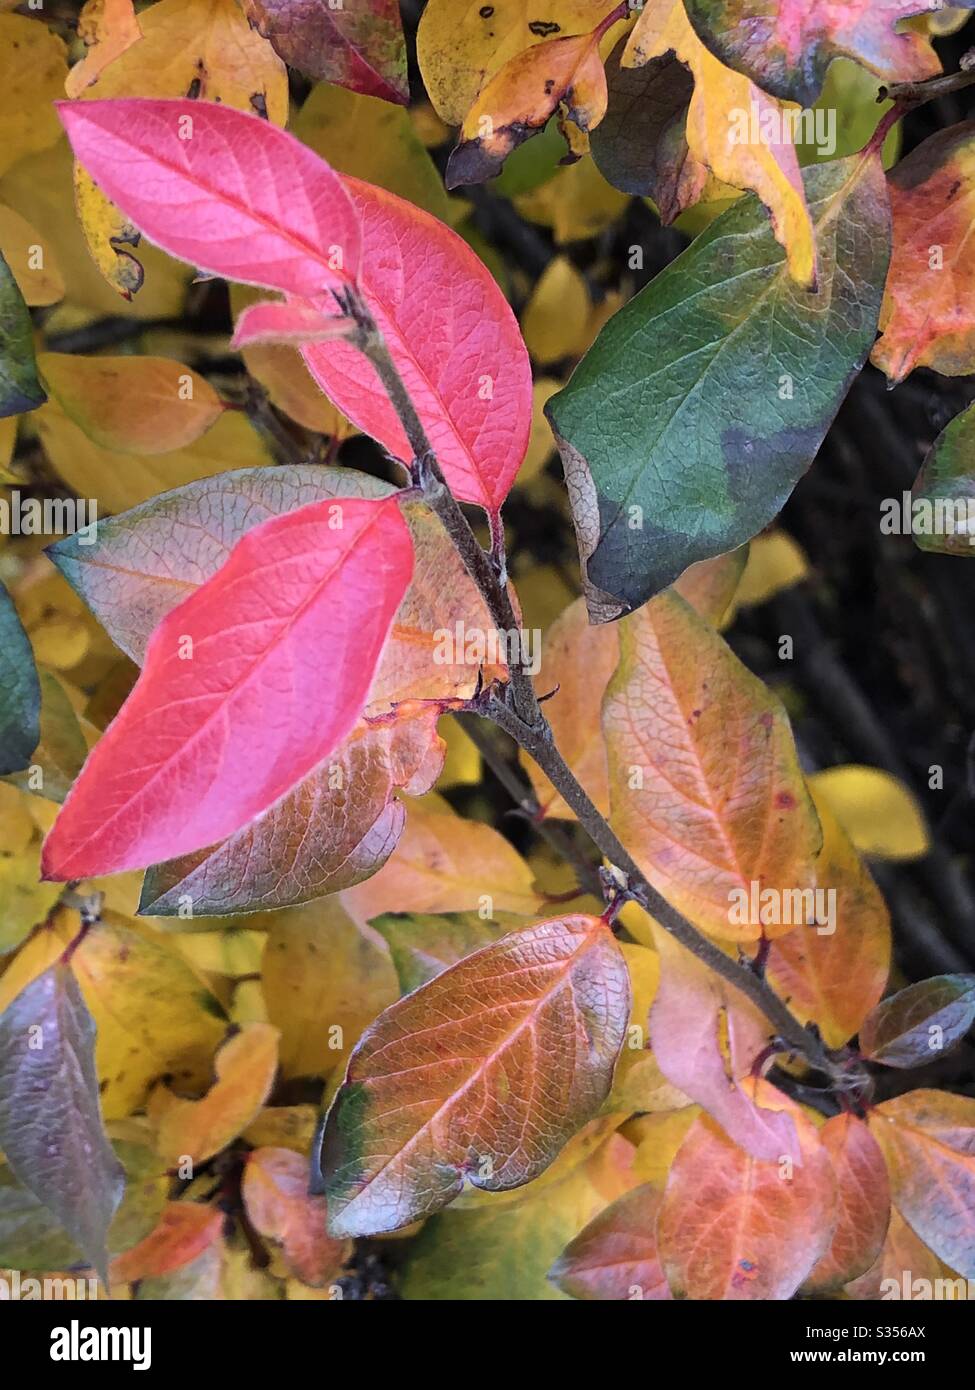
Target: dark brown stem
x=515 y=708
x=518 y=787
x=917 y=93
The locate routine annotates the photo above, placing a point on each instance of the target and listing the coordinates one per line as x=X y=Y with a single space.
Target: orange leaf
x=863 y=1204
x=834 y=975
x=927 y=319
x=275 y=1192
x=481 y=1076
x=928 y=1139
x=733 y=1228
x=185 y=1230
x=197 y=1129
x=615 y=1257
x=705 y=784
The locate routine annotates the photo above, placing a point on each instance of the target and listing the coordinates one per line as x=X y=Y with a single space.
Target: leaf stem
x=514 y=707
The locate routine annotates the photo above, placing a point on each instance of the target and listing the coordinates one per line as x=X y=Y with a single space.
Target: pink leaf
x=226 y=191
x=249 y=202
x=706 y=1037
x=454 y=339
x=247 y=686
x=298 y=321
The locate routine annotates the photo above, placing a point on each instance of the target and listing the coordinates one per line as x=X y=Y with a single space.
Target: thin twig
x=515 y=708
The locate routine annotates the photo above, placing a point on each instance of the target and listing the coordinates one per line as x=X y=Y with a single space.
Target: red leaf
x=249 y=202
x=705 y=1037
x=247 y=686
x=732 y=1228
x=454 y=339
x=238 y=198
x=298 y=321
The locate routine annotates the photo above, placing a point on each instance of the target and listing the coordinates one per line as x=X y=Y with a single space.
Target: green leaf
x=32 y=1239
x=920 y=1023
x=688 y=423
x=423 y=945
x=20 y=692
x=50 y=1117
x=943 y=506
x=61 y=749
x=20 y=389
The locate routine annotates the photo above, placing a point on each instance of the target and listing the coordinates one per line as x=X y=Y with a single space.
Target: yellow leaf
x=233 y=952
x=775 y=562
x=283 y=1127
x=460 y=48
x=142 y=405
x=24 y=900
x=108 y=28
x=31 y=260
x=244 y=1069
x=658 y=1137
x=446 y=864
x=154 y=1014
x=877 y=811
x=771 y=171
x=462 y=765
x=372 y=140
x=109 y=235
x=325 y=980
x=41 y=189
x=577 y=203
x=16 y=823
x=33 y=66
x=118 y=481
x=556 y=316
x=61 y=642
x=541 y=445
x=201 y=48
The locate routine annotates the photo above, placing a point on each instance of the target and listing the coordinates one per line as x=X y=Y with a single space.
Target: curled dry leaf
x=565 y=76
x=244 y=1070
x=479 y=1076
x=460 y=50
